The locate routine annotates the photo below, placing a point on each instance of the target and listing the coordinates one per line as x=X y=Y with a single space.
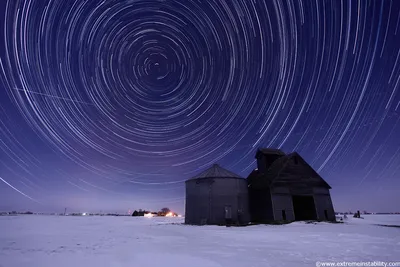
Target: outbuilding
x=217 y=196
x=284 y=187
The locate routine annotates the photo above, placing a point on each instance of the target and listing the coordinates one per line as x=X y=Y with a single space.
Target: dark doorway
x=304 y=208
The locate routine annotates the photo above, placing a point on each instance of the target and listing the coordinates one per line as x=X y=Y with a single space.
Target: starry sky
x=110 y=105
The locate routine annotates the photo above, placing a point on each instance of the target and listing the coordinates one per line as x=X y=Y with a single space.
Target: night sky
x=110 y=105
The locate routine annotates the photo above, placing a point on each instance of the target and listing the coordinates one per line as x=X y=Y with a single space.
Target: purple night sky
x=110 y=105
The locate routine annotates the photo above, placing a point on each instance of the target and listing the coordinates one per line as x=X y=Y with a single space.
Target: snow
x=66 y=241
x=380 y=219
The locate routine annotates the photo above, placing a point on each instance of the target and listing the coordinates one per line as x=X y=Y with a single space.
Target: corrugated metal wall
x=196 y=204
x=206 y=199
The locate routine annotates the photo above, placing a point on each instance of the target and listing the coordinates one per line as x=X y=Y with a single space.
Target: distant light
x=148 y=215
x=84 y=213
x=179 y=216
x=169 y=214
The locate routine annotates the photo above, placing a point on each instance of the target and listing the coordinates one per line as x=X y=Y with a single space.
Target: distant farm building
x=217 y=196
x=284 y=187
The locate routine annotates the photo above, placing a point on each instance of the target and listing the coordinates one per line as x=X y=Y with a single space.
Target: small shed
x=217 y=197
x=284 y=187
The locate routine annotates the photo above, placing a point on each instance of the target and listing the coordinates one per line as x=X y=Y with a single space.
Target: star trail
x=113 y=104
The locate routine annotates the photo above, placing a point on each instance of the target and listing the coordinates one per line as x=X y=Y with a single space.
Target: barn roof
x=216 y=171
x=269 y=151
x=277 y=166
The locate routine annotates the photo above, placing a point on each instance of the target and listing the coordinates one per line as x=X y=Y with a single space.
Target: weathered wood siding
x=282 y=202
x=260 y=205
x=280 y=190
x=288 y=176
x=264 y=161
x=321 y=190
x=297 y=173
x=323 y=202
x=301 y=190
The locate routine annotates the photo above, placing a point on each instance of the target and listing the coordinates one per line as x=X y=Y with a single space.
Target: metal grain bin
x=217 y=196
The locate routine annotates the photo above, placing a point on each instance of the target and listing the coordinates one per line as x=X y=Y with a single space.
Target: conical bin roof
x=216 y=171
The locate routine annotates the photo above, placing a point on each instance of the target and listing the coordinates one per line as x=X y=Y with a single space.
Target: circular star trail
x=125 y=89
x=147 y=78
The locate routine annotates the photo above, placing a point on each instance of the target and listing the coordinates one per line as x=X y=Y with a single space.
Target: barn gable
x=287 y=188
x=294 y=170
x=290 y=169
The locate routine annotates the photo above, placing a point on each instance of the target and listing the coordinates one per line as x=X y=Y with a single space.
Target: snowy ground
x=48 y=241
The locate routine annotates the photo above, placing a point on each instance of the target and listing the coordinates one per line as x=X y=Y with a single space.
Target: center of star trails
x=157 y=66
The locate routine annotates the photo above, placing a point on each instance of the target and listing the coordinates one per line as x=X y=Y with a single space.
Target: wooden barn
x=285 y=187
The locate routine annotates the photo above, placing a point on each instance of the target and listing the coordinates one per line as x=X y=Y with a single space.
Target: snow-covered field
x=51 y=241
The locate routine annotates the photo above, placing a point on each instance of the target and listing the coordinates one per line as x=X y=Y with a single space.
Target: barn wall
x=260 y=205
x=280 y=190
x=321 y=190
x=301 y=190
x=297 y=173
x=283 y=202
x=322 y=203
x=264 y=161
